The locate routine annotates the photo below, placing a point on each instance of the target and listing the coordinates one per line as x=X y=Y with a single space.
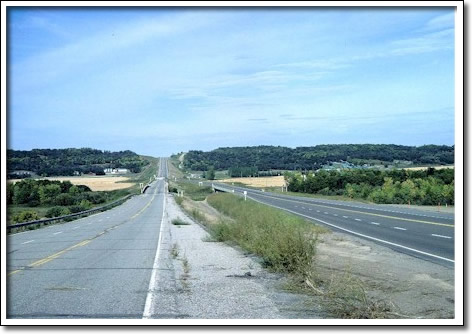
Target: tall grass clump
x=284 y=242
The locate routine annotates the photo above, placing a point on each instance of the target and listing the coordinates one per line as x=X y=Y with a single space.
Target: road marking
x=399 y=228
x=147 y=313
x=359 y=220
x=102 y=219
x=310 y=209
x=335 y=215
x=76 y=227
x=441 y=236
x=374 y=223
x=362 y=212
x=146 y=206
x=27 y=242
x=317 y=210
x=303 y=207
x=51 y=257
x=345 y=217
x=57 y=233
x=326 y=213
x=89 y=223
x=360 y=234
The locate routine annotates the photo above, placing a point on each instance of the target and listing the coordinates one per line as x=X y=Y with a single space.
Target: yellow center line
x=365 y=213
x=146 y=206
x=51 y=257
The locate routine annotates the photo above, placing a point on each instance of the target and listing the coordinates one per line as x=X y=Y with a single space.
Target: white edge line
x=152 y=283
x=359 y=234
x=27 y=242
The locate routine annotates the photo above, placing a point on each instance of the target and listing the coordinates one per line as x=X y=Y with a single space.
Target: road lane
x=401 y=230
x=98 y=267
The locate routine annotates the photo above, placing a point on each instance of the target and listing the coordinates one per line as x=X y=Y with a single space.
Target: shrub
x=64 y=199
x=25 y=216
x=57 y=211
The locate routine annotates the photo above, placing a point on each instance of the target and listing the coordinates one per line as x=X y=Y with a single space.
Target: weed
x=284 y=242
x=179 y=200
x=179 y=221
x=174 y=252
x=345 y=297
x=186 y=274
x=198 y=216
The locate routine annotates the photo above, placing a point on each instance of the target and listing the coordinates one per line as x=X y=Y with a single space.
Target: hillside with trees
x=264 y=158
x=67 y=162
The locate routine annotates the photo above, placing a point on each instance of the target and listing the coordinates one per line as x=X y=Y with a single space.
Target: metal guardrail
x=42 y=221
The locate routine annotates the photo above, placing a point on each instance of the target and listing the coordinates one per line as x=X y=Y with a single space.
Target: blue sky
x=159 y=81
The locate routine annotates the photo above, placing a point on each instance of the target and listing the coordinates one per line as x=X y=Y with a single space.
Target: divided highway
x=95 y=267
x=425 y=235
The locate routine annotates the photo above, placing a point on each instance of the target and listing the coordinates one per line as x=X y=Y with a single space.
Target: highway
x=426 y=235
x=95 y=267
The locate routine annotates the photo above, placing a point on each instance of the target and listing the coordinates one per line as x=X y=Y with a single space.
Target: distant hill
x=65 y=162
x=277 y=157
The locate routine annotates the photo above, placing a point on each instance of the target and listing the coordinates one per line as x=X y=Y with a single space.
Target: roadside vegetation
x=420 y=187
x=287 y=244
x=29 y=200
x=192 y=190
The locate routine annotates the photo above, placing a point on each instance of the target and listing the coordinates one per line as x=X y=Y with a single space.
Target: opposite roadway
x=95 y=267
x=427 y=235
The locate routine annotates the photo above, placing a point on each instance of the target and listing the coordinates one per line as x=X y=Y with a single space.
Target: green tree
x=48 y=193
x=210 y=174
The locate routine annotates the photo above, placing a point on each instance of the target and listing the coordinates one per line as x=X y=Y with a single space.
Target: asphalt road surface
x=95 y=267
x=427 y=235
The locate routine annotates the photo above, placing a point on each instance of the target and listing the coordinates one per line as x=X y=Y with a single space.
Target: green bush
x=75 y=208
x=64 y=199
x=57 y=211
x=25 y=216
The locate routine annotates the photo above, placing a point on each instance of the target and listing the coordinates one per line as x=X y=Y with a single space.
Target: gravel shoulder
x=202 y=279
x=211 y=280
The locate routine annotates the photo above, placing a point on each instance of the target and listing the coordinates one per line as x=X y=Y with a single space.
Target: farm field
x=96 y=183
x=269 y=181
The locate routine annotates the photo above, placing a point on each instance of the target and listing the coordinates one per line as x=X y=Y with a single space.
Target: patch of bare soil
x=418 y=288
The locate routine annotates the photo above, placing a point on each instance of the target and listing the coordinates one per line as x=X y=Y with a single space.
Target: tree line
x=265 y=158
x=428 y=187
x=66 y=162
x=62 y=197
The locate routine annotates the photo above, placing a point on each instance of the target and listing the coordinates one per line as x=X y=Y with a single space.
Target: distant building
x=19 y=174
x=116 y=170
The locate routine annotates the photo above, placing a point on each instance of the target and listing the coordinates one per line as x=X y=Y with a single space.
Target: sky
x=159 y=81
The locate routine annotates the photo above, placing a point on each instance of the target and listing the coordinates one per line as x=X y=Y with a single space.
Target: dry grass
x=269 y=181
x=96 y=183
